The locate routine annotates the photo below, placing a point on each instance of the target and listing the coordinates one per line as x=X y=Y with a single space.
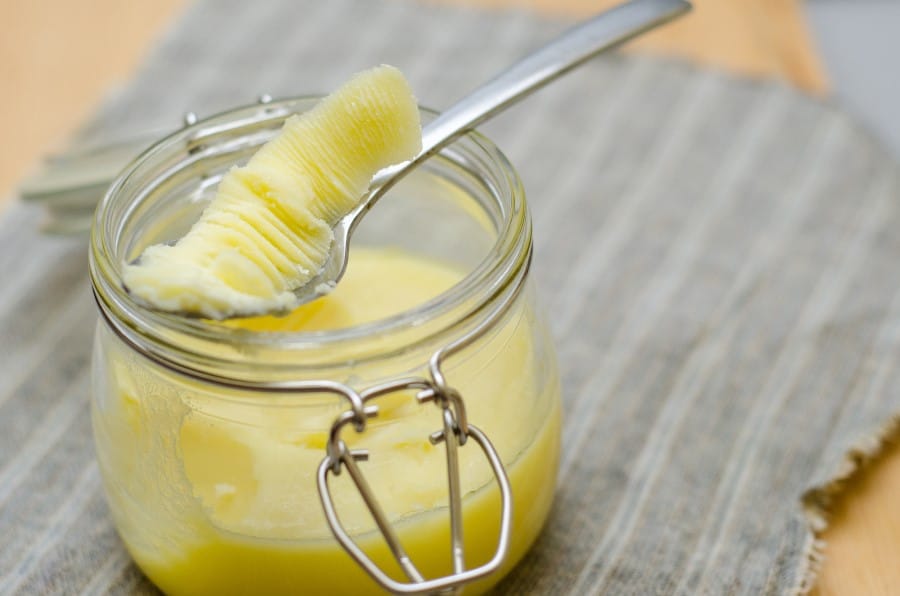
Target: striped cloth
x=719 y=256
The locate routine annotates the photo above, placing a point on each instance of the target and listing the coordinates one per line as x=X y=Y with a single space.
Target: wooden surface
x=862 y=553
x=59 y=58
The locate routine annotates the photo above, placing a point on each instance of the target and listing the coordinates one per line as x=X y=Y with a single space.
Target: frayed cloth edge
x=818 y=501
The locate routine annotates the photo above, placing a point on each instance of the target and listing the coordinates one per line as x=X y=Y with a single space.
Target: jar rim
x=504 y=263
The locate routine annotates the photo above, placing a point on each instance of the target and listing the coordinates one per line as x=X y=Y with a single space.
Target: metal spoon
x=532 y=72
x=69 y=185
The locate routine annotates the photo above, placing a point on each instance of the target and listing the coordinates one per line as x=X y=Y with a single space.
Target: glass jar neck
x=189 y=162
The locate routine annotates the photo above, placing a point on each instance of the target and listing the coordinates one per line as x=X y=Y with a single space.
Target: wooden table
x=58 y=58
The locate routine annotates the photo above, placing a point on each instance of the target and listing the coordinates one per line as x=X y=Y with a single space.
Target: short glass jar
x=208 y=435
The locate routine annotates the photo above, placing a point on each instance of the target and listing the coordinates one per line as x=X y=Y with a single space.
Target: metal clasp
x=455 y=433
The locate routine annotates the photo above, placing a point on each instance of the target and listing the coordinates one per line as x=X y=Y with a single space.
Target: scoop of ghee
x=268 y=230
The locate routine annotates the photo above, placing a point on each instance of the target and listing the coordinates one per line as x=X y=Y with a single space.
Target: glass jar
x=210 y=437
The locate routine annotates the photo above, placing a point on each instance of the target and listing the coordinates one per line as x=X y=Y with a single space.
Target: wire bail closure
x=454 y=434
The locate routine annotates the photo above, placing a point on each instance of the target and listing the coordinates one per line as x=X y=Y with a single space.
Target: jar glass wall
x=209 y=457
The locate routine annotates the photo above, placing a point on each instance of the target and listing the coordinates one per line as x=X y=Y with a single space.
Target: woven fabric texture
x=718 y=255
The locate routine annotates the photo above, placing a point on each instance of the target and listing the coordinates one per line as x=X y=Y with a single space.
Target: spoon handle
x=532 y=72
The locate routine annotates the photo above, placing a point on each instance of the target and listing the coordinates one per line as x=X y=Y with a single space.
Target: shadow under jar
x=210 y=435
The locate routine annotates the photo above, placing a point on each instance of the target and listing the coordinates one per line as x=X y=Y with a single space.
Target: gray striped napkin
x=719 y=257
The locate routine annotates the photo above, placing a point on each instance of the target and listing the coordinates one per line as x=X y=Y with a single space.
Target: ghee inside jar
x=221 y=495
x=213 y=488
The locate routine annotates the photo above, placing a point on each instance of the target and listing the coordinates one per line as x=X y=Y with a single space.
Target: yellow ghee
x=268 y=229
x=218 y=496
